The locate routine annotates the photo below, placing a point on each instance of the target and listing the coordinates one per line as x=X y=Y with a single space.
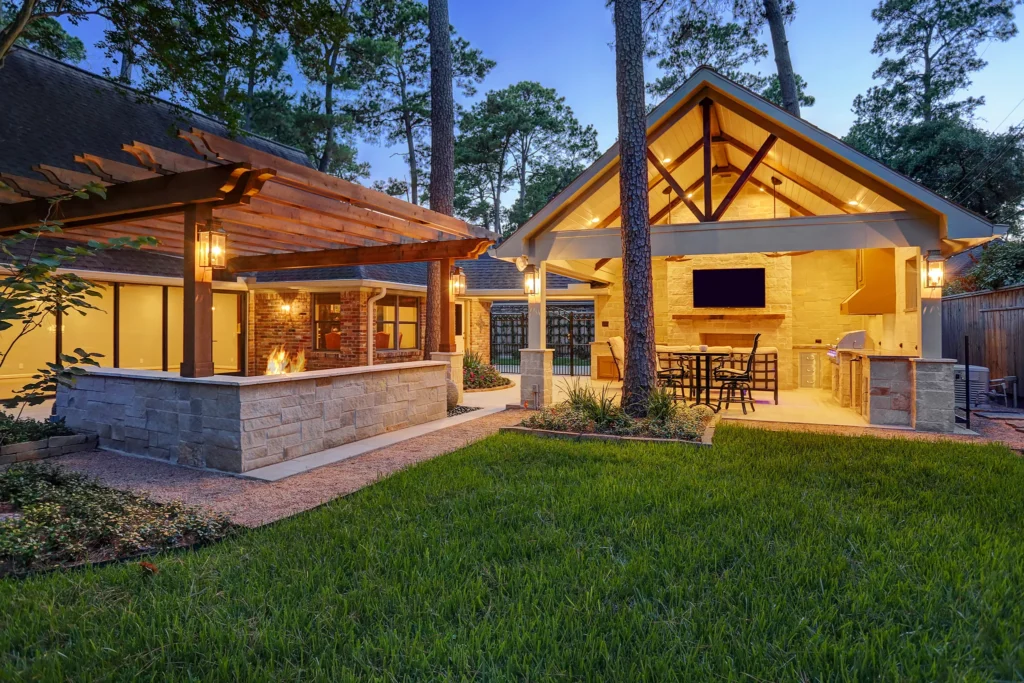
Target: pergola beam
x=159 y=196
x=469 y=248
x=705 y=111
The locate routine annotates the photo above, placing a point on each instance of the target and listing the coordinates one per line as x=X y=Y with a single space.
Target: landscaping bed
x=480 y=376
x=28 y=439
x=51 y=517
x=585 y=414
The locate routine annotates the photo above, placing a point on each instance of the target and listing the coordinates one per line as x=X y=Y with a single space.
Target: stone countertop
x=232 y=380
x=882 y=354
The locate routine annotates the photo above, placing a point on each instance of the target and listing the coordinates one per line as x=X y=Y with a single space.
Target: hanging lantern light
x=531 y=280
x=458 y=280
x=212 y=245
x=935 y=272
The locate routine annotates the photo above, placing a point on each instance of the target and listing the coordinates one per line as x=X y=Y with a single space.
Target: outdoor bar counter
x=237 y=424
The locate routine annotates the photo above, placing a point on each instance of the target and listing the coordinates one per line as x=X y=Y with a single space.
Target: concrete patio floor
x=799 y=406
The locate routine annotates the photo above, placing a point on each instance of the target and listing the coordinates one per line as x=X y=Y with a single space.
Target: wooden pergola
x=277 y=215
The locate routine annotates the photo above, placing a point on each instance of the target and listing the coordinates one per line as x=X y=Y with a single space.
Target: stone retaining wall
x=46 y=448
x=237 y=424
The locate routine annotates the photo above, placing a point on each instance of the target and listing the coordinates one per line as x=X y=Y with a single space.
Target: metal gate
x=508 y=335
x=570 y=332
x=569 y=335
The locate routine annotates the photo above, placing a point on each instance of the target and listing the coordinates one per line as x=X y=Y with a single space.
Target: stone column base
x=933 y=395
x=536 y=382
x=454 y=372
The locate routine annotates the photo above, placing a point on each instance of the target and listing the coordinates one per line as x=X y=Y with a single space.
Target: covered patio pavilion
x=229 y=210
x=833 y=242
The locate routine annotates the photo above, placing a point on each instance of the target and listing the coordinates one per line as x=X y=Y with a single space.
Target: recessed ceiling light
x=761 y=188
x=853 y=202
x=594 y=220
x=667 y=160
x=689 y=195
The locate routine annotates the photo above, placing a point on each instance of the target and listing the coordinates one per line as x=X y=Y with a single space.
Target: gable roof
x=82 y=112
x=820 y=174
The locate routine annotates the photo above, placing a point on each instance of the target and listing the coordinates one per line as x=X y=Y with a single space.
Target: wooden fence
x=994 y=322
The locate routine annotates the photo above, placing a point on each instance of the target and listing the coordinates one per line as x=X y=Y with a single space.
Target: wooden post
x=197 y=323
x=447 y=343
x=705 y=110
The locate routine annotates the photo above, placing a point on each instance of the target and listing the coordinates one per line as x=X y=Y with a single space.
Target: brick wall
x=270 y=326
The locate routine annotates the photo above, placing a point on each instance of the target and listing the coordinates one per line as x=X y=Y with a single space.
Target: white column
x=537 y=312
x=931 y=315
x=536 y=378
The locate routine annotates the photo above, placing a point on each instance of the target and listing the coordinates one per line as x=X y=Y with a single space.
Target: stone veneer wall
x=270 y=327
x=476 y=327
x=933 y=395
x=888 y=396
x=237 y=424
x=536 y=379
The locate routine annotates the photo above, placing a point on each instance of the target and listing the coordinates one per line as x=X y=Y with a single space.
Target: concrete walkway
x=252 y=502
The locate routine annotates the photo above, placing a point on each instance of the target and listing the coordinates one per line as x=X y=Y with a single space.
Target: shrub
x=584 y=411
x=476 y=374
x=66 y=518
x=13 y=430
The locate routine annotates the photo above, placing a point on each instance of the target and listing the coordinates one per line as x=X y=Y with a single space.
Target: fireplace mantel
x=729 y=316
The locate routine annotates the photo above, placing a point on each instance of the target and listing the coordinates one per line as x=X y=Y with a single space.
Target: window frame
x=396 y=322
x=912 y=284
x=316 y=320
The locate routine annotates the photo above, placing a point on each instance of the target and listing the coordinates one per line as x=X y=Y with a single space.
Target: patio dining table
x=703 y=361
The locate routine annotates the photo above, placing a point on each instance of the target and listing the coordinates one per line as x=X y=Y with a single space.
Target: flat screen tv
x=728 y=288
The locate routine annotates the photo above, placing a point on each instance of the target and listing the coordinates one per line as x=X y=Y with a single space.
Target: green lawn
x=773 y=556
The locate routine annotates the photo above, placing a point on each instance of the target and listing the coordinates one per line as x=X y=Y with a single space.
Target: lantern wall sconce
x=531 y=280
x=458 y=281
x=935 y=269
x=212 y=245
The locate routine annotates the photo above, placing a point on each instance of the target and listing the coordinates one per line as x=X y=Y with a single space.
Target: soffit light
x=853 y=202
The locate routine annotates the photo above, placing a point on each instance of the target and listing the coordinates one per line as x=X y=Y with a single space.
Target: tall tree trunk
x=127 y=62
x=638 y=378
x=442 y=150
x=10 y=33
x=325 y=158
x=783 y=63
x=414 y=171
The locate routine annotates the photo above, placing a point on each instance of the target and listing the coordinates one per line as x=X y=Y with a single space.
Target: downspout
x=370 y=320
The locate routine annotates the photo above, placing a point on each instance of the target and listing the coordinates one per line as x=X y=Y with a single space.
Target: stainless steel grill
x=857 y=339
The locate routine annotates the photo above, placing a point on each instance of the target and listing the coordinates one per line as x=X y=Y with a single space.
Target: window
x=327 y=322
x=913 y=283
x=458 y=320
x=398 y=323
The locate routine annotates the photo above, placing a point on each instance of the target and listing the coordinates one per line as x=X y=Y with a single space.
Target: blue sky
x=566 y=45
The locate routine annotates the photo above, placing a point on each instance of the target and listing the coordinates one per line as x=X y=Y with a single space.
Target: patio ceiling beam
x=835 y=162
x=743 y=177
x=292 y=220
x=796 y=206
x=653 y=183
x=705 y=110
x=469 y=248
x=786 y=174
x=653 y=158
x=65 y=178
x=113 y=171
x=216 y=148
x=142 y=199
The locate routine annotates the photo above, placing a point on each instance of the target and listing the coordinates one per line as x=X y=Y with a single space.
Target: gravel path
x=252 y=503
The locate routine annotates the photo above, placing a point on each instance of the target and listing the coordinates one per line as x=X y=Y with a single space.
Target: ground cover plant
x=476 y=374
x=15 y=430
x=64 y=518
x=772 y=556
x=585 y=410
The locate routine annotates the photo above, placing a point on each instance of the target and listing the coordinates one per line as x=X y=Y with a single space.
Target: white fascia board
x=806 y=233
x=335 y=285
x=137 y=279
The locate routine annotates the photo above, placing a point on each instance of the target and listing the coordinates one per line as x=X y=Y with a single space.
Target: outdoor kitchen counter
x=237 y=424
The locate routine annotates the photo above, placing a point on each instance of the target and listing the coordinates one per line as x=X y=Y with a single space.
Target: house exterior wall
x=270 y=327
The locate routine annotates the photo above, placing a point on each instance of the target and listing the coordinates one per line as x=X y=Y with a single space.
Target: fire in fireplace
x=280 y=363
